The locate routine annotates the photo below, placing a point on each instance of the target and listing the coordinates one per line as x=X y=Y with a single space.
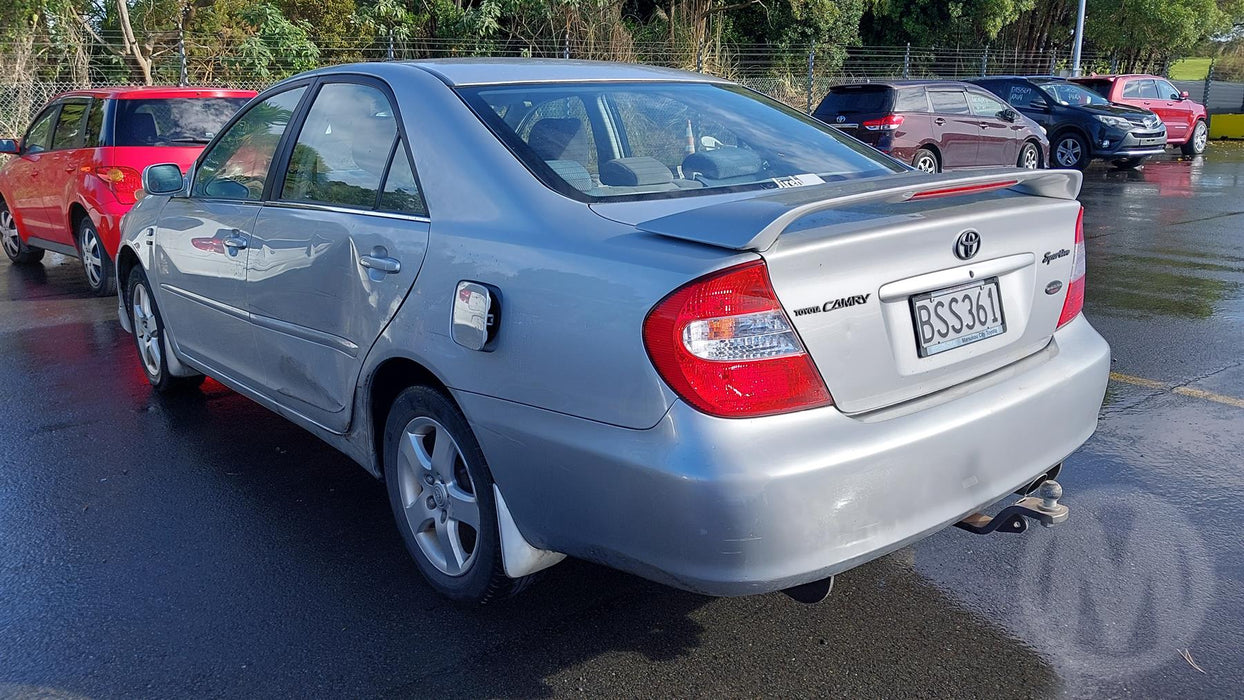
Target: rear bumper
x=736 y=507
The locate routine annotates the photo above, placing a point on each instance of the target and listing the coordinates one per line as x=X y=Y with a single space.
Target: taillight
x=889 y=122
x=724 y=344
x=1075 y=288
x=123 y=181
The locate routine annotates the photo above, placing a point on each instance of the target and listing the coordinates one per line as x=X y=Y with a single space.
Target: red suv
x=78 y=168
x=1186 y=123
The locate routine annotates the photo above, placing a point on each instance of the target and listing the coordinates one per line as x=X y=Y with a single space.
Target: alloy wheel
x=438 y=496
x=8 y=232
x=926 y=163
x=92 y=257
x=1200 y=136
x=1029 y=160
x=1069 y=152
x=147 y=329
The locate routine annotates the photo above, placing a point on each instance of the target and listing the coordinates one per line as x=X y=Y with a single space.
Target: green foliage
x=1143 y=28
x=939 y=22
x=276 y=46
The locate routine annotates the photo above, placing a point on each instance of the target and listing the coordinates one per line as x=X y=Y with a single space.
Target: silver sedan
x=637 y=316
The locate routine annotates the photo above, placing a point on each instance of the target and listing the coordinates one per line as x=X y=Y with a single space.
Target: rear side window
x=95 y=124
x=949 y=102
x=343 y=147
x=39 y=136
x=70 y=126
x=911 y=100
x=848 y=99
x=1140 y=89
x=401 y=188
x=237 y=166
x=177 y=121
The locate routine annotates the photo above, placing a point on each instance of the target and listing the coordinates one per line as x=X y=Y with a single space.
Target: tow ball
x=1042 y=506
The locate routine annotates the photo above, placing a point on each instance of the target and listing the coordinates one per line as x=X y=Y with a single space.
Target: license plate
x=845 y=127
x=1151 y=142
x=950 y=318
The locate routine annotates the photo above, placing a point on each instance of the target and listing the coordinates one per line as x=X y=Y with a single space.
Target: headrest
x=722 y=163
x=572 y=172
x=142 y=129
x=550 y=137
x=637 y=171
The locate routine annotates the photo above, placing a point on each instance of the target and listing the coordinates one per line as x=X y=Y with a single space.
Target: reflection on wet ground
x=201 y=545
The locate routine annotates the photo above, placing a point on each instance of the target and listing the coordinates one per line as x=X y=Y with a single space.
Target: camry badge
x=968 y=245
x=1053 y=287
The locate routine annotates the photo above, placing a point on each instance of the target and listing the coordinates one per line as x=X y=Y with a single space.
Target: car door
x=335 y=250
x=203 y=241
x=956 y=130
x=1180 y=119
x=26 y=194
x=997 y=144
x=59 y=169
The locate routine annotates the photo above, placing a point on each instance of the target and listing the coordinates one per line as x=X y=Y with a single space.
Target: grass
x=1190 y=69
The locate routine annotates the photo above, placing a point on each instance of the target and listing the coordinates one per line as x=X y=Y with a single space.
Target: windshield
x=178 y=121
x=1071 y=94
x=611 y=141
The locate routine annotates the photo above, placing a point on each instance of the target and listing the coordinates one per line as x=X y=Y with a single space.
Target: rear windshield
x=618 y=141
x=848 y=99
x=1101 y=87
x=177 y=121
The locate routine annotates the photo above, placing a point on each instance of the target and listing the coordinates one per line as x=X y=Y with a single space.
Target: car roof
x=156 y=92
x=1034 y=78
x=927 y=82
x=458 y=72
x=1116 y=76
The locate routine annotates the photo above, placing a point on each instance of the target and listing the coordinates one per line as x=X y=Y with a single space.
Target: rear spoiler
x=756 y=222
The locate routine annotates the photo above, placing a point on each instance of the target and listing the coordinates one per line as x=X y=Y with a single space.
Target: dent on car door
x=335 y=250
x=203 y=242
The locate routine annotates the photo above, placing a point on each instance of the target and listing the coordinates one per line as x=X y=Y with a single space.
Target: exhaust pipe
x=811 y=592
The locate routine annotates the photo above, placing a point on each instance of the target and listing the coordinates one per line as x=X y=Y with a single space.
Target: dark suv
x=935 y=125
x=1082 y=124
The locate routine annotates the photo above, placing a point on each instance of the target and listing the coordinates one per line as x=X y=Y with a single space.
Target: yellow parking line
x=1181 y=390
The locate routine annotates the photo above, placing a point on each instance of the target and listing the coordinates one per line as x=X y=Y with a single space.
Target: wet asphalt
x=200 y=545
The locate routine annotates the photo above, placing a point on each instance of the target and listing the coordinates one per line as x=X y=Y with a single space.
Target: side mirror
x=163 y=179
x=10 y=147
x=1183 y=95
x=1008 y=115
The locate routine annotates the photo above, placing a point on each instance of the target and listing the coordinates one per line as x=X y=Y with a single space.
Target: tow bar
x=1043 y=507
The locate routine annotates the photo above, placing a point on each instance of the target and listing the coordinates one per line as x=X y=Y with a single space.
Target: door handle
x=236 y=241
x=381 y=263
x=939 y=121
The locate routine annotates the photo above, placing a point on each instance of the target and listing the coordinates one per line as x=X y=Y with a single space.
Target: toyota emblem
x=968 y=245
x=841 y=119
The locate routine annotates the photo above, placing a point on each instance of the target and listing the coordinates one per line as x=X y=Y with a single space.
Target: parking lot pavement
x=200 y=545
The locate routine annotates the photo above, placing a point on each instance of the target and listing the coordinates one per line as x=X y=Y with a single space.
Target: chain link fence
x=797 y=76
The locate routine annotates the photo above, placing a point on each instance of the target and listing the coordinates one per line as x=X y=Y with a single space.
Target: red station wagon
x=77 y=170
x=1186 y=123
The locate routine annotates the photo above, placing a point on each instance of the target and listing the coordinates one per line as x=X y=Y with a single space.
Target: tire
x=441 y=493
x=1129 y=163
x=1069 y=150
x=1029 y=156
x=926 y=160
x=1197 y=142
x=14 y=247
x=148 y=327
x=97 y=267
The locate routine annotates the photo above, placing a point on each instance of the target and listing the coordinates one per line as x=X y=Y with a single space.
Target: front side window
x=177 y=121
x=70 y=125
x=342 y=148
x=39 y=135
x=949 y=102
x=658 y=140
x=237 y=166
x=984 y=106
x=1166 y=91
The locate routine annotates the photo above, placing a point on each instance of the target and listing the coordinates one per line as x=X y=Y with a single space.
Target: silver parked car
x=638 y=316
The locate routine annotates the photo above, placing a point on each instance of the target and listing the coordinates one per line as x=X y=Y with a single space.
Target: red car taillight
x=123 y=181
x=1075 y=288
x=889 y=122
x=724 y=344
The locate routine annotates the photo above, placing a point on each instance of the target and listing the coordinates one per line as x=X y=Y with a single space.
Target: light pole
x=1079 y=41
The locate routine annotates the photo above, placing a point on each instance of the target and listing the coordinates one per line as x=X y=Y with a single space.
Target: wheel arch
x=931 y=145
x=77 y=212
x=1036 y=143
x=127 y=260
x=392 y=376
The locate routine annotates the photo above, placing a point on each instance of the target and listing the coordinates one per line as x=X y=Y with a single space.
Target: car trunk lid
x=851 y=263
